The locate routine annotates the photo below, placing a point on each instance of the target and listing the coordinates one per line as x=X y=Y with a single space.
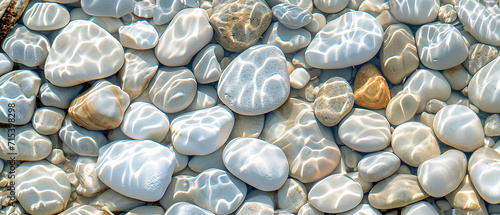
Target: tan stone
x=99 y=108
x=238 y=24
x=396 y=191
x=370 y=88
x=465 y=196
x=479 y=55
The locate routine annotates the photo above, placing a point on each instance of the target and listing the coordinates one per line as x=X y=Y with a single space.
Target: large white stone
x=418 y=208
x=365 y=130
x=441 y=46
x=144 y=121
x=441 y=175
x=414 y=143
x=113 y=8
x=202 y=132
x=335 y=194
x=484 y=170
x=138 y=35
x=484 y=87
x=255 y=82
x=140 y=169
x=42 y=187
x=415 y=12
x=214 y=189
x=188 y=32
x=331 y=6
x=18 y=90
x=82 y=141
x=428 y=84
x=26 y=47
x=309 y=146
x=481 y=19
x=256 y=162
x=46 y=16
x=82 y=52
x=349 y=40
x=460 y=127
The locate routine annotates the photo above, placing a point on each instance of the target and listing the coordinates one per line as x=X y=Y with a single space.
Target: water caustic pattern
x=481 y=19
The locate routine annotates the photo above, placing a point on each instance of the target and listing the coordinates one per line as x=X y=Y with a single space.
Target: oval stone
x=484 y=170
x=414 y=143
x=484 y=87
x=415 y=12
x=377 y=166
x=334 y=101
x=46 y=16
x=396 y=191
x=335 y=194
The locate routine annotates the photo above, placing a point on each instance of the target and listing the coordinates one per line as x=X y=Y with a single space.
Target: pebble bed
x=166 y=107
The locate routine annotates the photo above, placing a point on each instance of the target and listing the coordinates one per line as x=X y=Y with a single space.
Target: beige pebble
x=396 y=191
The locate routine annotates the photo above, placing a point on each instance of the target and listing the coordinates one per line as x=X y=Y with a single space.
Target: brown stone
x=99 y=108
x=10 y=15
x=370 y=88
x=238 y=24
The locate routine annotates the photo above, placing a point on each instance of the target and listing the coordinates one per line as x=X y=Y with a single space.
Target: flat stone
x=492 y=125
x=188 y=208
x=398 y=55
x=484 y=87
x=172 y=89
x=247 y=126
x=434 y=105
x=465 y=196
x=396 y=191
x=129 y=176
x=238 y=24
x=46 y=16
x=193 y=24
x=114 y=201
x=48 y=120
x=365 y=130
x=266 y=89
x=402 y=107
x=26 y=47
x=206 y=66
x=29 y=145
x=144 y=121
x=447 y=13
x=292 y=16
x=370 y=88
x=334 y=101
x=42 y=187
x=421 y=207
x=137 y=71
x=89 y=184
x=206 y=97
x=257 y=202
x=484 y=173
x=330 y=6
x=377 y=166
x=138 y=35
x=415 y=12
x=441 y=46
x=99 y=108
x=18 y=90
x=335 y=194
x=441 y=175
x=61 y=97
x=458 y=126
x=291 y=196
x=479 y=55
x=478 y=15
x=288 y=40
x=165 y=11
x=82 y=141
x=256 y=162
x=215 y=190
x=6 y=64
x=458 y=77
x=112 y=8
x=427 y=84
x=294 y=128
x=68 y=63
x=337 y=45
x=203 y=131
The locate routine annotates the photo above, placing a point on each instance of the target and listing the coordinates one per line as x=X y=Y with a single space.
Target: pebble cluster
x=165 y=107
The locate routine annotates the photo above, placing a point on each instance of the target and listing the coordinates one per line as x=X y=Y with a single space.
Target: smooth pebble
x=335 y=194
x=143 y=121
x=172 y=89
x=484 y=170
x=138 y=35
x=82 y=141
x=46 y=16
x=26 y=47
x=292 y=16
x=334 y=101
x=377 y=166
x=484 y=87
x=48 y=120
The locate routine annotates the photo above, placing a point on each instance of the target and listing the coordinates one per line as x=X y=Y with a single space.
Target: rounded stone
x=370 y=88
x=256 y=162
x=28 y=144
x=330 y=6
x=458 y=126
x=365 y=131
x=421 y=207
x=481 y=19
x=255 y=82
x=415 y=12
x=292 y=16
x=291 y=196
x=144 y=121
x=334 y=101
x=138 y=35
x=414 y=143
x=48 y=120
x=139 y=68
x=396 y=191
x=441 y=175
x=335 y=194
x=288 y=40
x=484 y=170
x=441 y=46
x=484 y=87
x=428 y=84
x=349 y=40
x=402 y=107
x=186 y=208
x=172 y=89
x=377 y=166
x=112 y=8
x=80 y=140
x=26 y=47
x=46 y=16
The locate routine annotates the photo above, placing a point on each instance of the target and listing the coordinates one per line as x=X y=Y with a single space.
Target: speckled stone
x=334 y=101
x=238 y=24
